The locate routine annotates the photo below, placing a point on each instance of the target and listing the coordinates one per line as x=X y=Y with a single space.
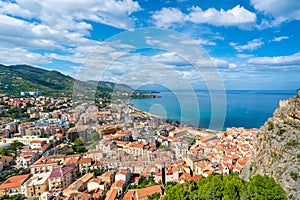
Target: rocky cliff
x=277 y=147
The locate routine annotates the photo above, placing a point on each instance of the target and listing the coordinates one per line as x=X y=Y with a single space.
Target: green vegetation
x=15 y=112
x=15 y=172
x=143 y=182
x=28 y=120
x=298 y=155
x=292 y=143
x=17 y=78
x=166 y=148
x=270 y=125
x=97 y=172
x=15 y=146
x=294 y=175
x=280 y=132
x=79 y=146
x=15 y=197
x=226 y=187
x=4 y=152
x=155 y=196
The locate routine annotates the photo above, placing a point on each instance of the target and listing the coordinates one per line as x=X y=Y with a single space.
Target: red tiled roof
x=85 y=160
x=111 y=194
x=14 y=181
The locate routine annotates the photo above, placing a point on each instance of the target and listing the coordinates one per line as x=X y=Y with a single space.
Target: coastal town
x=54 y=149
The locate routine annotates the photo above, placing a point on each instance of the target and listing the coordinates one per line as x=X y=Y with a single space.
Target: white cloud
x=293 y=59
x=278 y=39
x=167 y=17
x=232 y=65
x=65 y=14
x=237 y=16
x=287 y=9
x=250 y=46
x=233 y=17
x=241 y=55
x=220 y=62
x=60 y=24
x=199 y=41
x=22 y=56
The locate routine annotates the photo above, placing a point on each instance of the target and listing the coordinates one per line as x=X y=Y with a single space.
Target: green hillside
x=17 y=78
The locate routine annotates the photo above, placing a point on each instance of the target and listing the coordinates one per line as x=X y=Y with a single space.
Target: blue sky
x=254 y=44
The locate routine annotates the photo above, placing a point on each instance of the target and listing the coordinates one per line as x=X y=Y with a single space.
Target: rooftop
x=14 y=181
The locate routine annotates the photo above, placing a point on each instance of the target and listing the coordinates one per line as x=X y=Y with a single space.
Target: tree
x=4 y=152
x=79 y=146
x=15 y=146
x=228 y=187
x=211 y=194
x=154 y=196
x=78 y=142
x=265 y=188
x=230 y=191
x=95 y=136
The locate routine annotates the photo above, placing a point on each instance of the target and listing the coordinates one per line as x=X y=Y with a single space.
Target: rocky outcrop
x=277 y=147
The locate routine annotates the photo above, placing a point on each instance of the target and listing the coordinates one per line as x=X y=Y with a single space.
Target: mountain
x=277 y=147
x=17 y=78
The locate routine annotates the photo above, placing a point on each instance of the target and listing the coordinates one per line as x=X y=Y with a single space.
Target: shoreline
x=144 y=112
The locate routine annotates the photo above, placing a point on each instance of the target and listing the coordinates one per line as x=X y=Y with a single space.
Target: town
x=53 y=148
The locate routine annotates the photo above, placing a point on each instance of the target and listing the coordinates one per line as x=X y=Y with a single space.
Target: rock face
x=277 y=147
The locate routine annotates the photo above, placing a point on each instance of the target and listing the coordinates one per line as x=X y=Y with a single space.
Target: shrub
x=294 y=175
x=270 y=125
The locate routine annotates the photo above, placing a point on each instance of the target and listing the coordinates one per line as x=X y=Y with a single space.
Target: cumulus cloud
x=287 y=9
x=293 y=59
x=18 y=55
x=167 y=17
x=250 y=46
x=64 y=14
x=237 y=16
x=61 y=26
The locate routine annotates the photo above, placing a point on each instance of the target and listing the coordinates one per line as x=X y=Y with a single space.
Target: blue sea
x=216 y=109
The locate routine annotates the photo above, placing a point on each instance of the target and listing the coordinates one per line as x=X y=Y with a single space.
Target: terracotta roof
x=37 y=141
x=111 y=194
x=195 y=178
x=118 y=184
x=184 y=176
x=130 y=195
x=97 y=180
x=144 y=192
x=14 y=181
x=122 y=172
x=243 y=161
x=79 y=195
x=85 y=160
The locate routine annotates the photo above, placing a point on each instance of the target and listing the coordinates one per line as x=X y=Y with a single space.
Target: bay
x=240 y=108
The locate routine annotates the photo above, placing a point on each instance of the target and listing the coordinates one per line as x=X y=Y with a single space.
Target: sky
x=251 y=44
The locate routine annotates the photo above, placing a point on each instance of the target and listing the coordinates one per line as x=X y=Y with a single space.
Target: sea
x=215 y=109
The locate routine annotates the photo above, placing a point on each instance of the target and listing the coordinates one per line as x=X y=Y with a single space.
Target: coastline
x=144 y=112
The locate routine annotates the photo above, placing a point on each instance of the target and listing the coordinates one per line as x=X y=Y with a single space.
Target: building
x=122 y=176
x=62 y=177
x=13 y=185
x=84 y=164
x=6 y=160
x=36 y=185
x=47 y=163
x=142 y=194
x=27 y=157
x=107 y=177
x=79 y=185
